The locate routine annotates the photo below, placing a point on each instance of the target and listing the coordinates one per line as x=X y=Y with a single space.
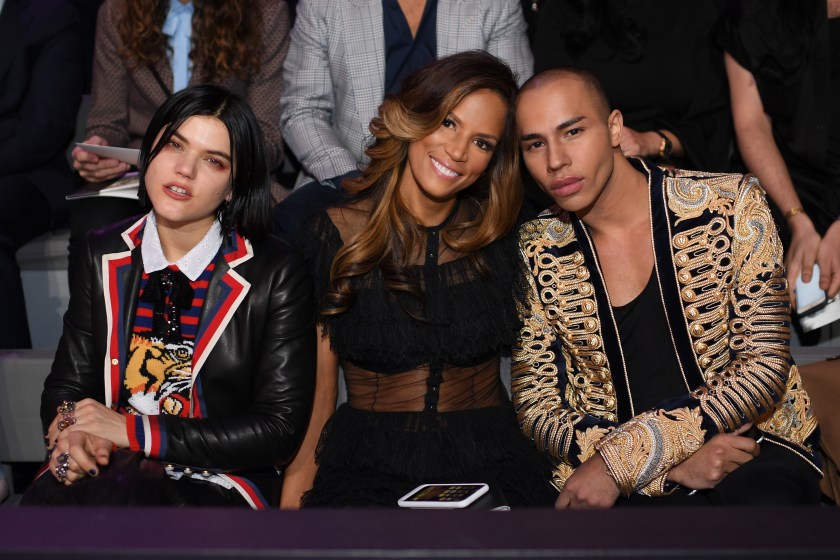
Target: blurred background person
x=658 y=64
x=146 y=50
x=41 y=81
x=783 y=63
x=345 y=56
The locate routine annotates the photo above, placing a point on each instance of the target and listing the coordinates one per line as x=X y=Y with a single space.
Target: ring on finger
x=65 y=422
x=63 y=461
x=66 y=407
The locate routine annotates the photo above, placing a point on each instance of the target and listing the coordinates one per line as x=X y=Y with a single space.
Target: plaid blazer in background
x=335 y=72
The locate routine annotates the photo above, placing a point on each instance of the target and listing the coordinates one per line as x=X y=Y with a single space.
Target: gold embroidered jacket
x=718 y=262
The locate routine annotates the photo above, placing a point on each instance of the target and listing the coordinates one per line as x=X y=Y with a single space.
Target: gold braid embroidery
x=794 y=420
x=644 y=447
x=561 y=303
x=755 y=242
x=744 y=275
x=704 y=264
x=689 y=197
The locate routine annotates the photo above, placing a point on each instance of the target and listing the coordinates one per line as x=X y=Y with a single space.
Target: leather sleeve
x=277 y=380
x=77 y=370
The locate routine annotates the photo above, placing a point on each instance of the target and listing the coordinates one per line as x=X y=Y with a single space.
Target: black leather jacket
x=254 y=355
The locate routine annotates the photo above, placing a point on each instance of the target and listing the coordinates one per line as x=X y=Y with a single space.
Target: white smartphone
x=809 y=296
x=443 y=496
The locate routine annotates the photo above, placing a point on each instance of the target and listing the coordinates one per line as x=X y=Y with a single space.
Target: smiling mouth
x=443 y=170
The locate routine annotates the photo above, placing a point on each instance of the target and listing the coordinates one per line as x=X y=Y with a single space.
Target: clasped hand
x=86 y=444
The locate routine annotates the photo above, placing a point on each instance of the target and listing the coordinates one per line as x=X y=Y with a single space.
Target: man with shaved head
x=654 y=362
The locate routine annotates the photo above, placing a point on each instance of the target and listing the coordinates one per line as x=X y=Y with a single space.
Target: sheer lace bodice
x=448 y=360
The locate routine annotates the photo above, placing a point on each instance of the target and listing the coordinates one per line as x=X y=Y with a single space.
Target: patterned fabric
x=718 y=262
x=335 y=71
x=158 y=375
x=253 y=362
x=124 y=99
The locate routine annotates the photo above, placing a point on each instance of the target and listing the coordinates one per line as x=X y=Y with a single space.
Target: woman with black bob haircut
x=417 y=282
x=185 y=370
x=250 y=205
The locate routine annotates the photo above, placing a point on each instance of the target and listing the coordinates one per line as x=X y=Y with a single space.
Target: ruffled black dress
x=425 y=400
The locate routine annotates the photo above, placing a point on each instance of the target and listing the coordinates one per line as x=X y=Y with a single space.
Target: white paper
x=124 y=187
x=128 y=155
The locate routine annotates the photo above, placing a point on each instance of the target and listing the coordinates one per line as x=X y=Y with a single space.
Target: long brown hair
x=225 y=36
x=392 y=236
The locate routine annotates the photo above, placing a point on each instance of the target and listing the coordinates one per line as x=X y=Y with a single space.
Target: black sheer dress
x=425 y=402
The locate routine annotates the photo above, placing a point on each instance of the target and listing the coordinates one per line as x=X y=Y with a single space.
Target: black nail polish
x=92 y=472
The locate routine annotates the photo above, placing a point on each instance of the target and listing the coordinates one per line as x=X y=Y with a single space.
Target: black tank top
x=652 y=366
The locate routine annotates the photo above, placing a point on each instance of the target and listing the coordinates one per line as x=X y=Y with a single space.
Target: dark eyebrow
x=211 y=152
x=570 y=122
x=486 y=136
x=561 y=126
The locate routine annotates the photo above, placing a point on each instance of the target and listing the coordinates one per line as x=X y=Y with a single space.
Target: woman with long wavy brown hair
x=226 y=36
x=146 y=50
x=417 y=283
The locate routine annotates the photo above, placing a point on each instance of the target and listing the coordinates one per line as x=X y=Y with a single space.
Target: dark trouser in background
x=24 y=214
